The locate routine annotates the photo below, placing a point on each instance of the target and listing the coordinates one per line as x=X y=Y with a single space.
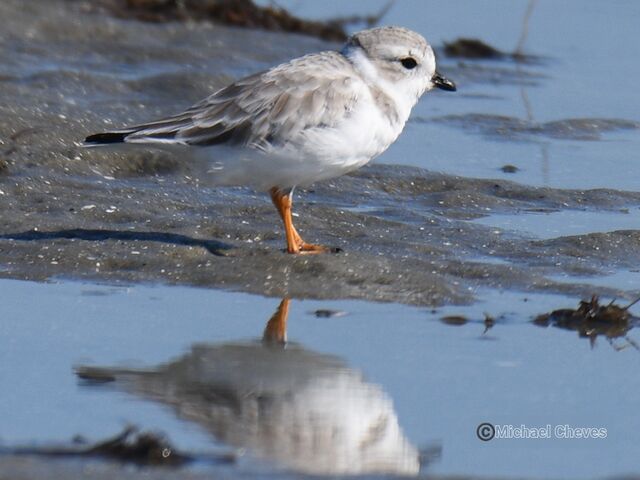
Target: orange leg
x=276 y=329
x=295 y=243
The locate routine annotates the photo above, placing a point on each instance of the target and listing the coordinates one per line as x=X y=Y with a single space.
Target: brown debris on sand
x=129 y=446
x=471 y=48
x=592 y=319
x=237 y=13
x=476 y=49
x=454 y=320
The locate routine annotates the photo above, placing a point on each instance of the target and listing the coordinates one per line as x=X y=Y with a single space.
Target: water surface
x=435 y=381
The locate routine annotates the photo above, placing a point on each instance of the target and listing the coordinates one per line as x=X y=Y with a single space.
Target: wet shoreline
x=407 y=234
x=415 y=236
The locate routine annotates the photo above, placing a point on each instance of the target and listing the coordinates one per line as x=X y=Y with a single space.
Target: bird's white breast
x=364 y=133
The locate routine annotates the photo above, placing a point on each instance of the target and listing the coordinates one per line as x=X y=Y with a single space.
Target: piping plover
x=313 y=118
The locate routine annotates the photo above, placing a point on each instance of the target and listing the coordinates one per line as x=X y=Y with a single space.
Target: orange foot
x=295 y=243
x=305 y=248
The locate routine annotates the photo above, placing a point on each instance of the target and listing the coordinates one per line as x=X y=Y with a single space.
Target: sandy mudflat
x=406 y=233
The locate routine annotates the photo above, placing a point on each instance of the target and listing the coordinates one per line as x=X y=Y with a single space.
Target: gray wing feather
x=264 y=109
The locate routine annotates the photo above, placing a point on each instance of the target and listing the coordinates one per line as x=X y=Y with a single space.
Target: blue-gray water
x=442 y=380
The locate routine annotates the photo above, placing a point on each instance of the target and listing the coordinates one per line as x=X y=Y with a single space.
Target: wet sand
x=407 y=235
x=99 y=215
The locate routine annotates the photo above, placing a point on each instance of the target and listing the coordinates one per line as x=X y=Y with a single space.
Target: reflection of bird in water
x=305 y=411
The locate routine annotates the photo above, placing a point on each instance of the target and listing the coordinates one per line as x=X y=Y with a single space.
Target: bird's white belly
x=330 y=152
x=315 y=154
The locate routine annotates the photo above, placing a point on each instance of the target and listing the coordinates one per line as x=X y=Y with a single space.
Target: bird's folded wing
x=268 y=108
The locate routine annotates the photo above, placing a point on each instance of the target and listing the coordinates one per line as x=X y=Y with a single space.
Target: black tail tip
x=105 y=138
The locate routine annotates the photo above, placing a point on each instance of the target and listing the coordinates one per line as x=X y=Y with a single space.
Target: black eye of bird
x=408 y=63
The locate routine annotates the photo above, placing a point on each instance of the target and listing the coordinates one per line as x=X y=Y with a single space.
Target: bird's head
x=397 y=60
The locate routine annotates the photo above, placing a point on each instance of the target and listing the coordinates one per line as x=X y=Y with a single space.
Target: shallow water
x=436 y=380
x=563 y=223
x=626 y=279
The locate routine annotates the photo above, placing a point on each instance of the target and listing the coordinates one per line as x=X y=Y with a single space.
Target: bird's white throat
x=404 y=101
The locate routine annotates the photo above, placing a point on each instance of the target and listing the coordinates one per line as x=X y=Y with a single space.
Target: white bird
x=313 y=118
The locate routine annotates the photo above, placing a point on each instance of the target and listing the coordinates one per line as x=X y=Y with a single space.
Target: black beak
x=443 y=83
